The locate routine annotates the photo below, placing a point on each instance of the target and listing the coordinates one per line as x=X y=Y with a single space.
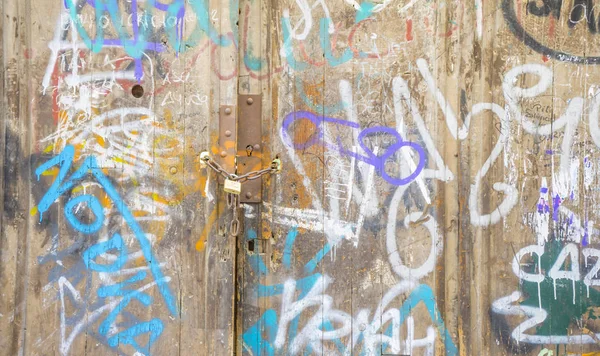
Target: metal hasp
x=227 y=139
x=249 y=149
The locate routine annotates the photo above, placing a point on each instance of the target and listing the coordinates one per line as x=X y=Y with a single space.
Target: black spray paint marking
x=519 y=32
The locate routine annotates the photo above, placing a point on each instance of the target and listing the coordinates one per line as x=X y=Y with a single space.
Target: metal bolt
x=250 y=101
x=227 y=133
x=223 y=154
x=257 y=147
x=248 y=195
x=227 y=111
x=173 y=170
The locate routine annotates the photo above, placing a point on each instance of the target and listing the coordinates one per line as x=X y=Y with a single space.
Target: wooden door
x=437 y=191
x=112 y=234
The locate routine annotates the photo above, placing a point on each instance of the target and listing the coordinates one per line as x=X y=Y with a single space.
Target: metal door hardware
x=227 y=138
x=249 y=149
x=234 y=184
x=233 y=202
x=240 y=152
x=207 y=161
x=233 y=187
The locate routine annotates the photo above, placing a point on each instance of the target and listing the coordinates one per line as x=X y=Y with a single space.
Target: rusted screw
x=223 y=154
x=257 y=147
x=248 y=195
x=173 y=170
x=227 y=111
x=250 y=101
x=227 y=133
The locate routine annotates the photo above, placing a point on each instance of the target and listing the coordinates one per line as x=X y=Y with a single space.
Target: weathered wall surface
x=438 y=194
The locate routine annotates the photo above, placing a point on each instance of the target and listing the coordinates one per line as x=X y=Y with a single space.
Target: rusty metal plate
x=252 y=189
x=249 y=154
x=250 y=124
x=225 y=155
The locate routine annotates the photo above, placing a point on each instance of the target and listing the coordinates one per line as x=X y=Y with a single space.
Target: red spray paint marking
x=409 y=36
x=216 y=67
x=551 y=26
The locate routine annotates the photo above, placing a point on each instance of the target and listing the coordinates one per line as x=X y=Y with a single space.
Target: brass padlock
x=233 y=187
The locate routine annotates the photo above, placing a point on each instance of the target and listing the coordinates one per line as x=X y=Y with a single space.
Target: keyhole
x=137 y=91
x=249 y=150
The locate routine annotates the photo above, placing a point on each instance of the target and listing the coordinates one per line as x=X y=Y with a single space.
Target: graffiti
x=304 y=133
x=557 y=287
x=119 y=138
x=319 y=330
x=438 y=191
x=118 y=294
x=370 y=335
x=555 y=293
x=141 y=25
x=370 y=158
x=148 y=36
x=419 y=170
x=581 y=10
x=577 y=11
x=328 y=32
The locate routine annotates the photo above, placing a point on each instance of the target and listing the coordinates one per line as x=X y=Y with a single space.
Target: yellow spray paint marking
x=119 y=160
x=105 y=201
x=33 y=211
x=50 y=172
x=100 y=140
x=201 y=244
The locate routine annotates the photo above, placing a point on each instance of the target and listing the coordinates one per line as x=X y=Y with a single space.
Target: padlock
x=232 y=186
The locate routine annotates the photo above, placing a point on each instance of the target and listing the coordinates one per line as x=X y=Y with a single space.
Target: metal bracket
x=227 y=139
x=249 y=148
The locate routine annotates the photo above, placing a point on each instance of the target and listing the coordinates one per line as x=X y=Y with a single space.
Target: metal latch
x=227 y=138
x=249 y=149
x=233 y=183
x=232 y=178
x=239 y=156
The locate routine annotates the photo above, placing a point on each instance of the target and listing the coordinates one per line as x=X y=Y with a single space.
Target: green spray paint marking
x=562 y=312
